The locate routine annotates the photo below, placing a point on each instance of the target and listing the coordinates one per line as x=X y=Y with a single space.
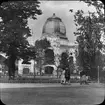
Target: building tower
x=54 y=31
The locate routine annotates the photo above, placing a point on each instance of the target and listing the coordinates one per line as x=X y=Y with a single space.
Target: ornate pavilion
x=55 y=32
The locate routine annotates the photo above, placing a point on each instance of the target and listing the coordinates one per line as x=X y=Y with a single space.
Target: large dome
x=54 y=25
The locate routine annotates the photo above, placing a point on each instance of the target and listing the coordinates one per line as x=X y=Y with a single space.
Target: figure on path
x=63 y=80
x=83 y=78
x=67 y=75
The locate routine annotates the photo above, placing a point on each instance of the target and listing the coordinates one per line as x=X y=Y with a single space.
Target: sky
x=61 y=10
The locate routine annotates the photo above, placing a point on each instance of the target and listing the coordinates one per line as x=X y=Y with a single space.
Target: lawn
x=64 y=95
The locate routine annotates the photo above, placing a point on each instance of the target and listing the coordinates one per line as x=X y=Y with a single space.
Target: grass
x=65 y=95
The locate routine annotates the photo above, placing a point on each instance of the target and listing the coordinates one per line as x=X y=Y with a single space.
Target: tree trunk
x=11 y=66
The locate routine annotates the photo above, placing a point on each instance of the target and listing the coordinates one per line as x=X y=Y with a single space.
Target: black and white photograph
x=52 y=52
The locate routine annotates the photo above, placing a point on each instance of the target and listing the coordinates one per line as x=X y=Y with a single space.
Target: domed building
x=54 y=25
x=55 y=32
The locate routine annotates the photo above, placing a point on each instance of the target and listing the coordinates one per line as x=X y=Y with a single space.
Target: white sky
x=61 y=9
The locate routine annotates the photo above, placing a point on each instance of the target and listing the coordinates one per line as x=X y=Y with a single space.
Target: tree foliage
x=49 y=57
x=71 y=63
x=64 y=61
x=42 y=44
x=40 y=47
x=14 y=29
x=89 y=31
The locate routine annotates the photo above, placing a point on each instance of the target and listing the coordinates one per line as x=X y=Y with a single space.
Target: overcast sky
x=61 y=10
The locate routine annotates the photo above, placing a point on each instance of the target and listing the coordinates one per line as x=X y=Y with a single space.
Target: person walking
x=67 y=75
x=82 y=77
x=63 y=80
x=87 y=78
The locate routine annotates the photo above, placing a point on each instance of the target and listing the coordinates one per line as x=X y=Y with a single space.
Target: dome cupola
x=54 y=25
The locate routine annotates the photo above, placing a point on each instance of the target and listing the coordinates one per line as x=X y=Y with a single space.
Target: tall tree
x=41 y=46
x=71 y=63
x=65 y=63
x=14 y=29
x=64 y=60
x=89 y=31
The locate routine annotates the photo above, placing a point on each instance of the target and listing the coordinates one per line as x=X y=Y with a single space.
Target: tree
x=14 y=29
x=89 y=31
x=71 y=63
x=49 y=56
x=28 y=54
x=64 y=61
x=41 y=46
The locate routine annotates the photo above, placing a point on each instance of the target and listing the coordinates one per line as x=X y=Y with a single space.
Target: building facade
x=54 y=31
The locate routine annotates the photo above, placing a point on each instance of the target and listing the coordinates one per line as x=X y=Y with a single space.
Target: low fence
x=41 y=79
x=37 y=79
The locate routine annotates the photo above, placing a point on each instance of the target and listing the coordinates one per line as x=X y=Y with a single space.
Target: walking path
x=31 y=85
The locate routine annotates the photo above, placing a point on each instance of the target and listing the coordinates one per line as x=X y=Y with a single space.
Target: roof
x=54 y=17
x=2 y=59
x=26 y=62
x=50 y=66
x=54 y=25
x=3 y=54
